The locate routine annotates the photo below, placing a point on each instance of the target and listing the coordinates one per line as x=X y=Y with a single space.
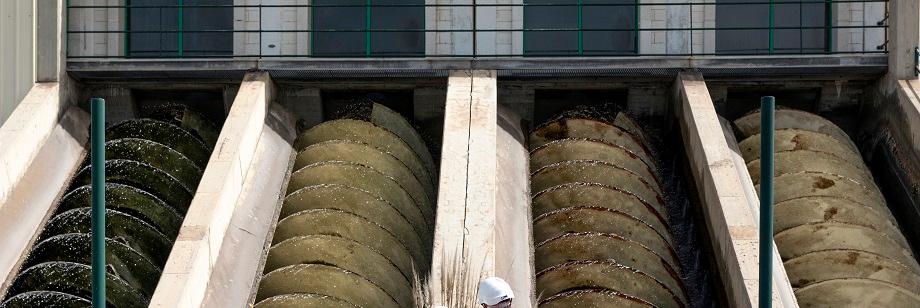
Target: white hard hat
x=493 y=290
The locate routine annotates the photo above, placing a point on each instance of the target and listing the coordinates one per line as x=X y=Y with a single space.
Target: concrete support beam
x=191 y=263
x=725 y=190
x=24 y=133
x=44 y=157
x=466 y=196
x=904 y=37
x=238 y=266
x=483 y=208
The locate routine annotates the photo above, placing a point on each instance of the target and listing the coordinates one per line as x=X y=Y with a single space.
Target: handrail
x=695 y=25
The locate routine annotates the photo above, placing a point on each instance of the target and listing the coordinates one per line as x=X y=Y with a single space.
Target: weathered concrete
x=513 y=222
x=195 y=253
x=39 y=154
x=16 y=58
x=49 y=54
x=632 y=66
x=466 y=198
x=238 y=264
x=483 y=209
x=728 y=206
x=890 y=144
x=24 y=133
x=904 y=37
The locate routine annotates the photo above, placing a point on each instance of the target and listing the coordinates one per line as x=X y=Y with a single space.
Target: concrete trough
x=845 y=185
x=259 y=229
x=479 y=219
x=46 y=197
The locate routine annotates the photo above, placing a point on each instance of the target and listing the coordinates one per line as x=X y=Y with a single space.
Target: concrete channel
x=469 y=211
x=437 y=227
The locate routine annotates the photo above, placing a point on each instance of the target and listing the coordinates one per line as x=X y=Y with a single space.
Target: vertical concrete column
x=703 y=16
x=677 y=16
x=186 y=274
x=241 y=21
x=96 y=19
x=499 y=18
x=48 y=25
x=730 y=212
x=904 y=37
x=856 y=14
x=449 y=18
x=482 y=226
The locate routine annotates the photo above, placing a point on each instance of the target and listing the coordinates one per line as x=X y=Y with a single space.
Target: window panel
x=757 y=15
x=342 y=44
x=208 y=18
x=593 y=17
x=353 y=44
x=609 y=17
x=398 y=43
x=167 y=19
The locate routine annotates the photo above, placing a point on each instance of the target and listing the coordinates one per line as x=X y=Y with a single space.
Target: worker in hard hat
x=495 y=293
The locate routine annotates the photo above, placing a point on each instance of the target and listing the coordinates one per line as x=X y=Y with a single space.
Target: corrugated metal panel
x=16 y=55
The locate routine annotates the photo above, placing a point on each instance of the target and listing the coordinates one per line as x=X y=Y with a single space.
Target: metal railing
x=549 y=28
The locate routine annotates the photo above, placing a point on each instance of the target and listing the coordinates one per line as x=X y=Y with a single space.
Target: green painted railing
x=697 y=24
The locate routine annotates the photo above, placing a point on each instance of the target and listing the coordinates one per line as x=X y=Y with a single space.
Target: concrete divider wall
x=238 y=266
x=194 y=256
x=483 y=204
x=41 y=144
x=730 y=216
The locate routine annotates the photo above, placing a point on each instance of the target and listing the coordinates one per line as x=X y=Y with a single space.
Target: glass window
x=352 y=22
x=749 y=41
x=167 y=19
x=605 y=30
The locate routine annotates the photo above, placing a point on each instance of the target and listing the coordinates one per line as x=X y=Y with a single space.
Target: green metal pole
x=767 y=105
x=97 y=154
x=181 y=18
x=772 y=7
x=581 y=38
x=367 y=27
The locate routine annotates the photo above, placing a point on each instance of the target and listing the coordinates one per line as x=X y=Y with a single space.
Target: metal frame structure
x=828 y=28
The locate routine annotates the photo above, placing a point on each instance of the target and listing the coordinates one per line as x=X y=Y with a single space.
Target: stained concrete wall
x=17 y=75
